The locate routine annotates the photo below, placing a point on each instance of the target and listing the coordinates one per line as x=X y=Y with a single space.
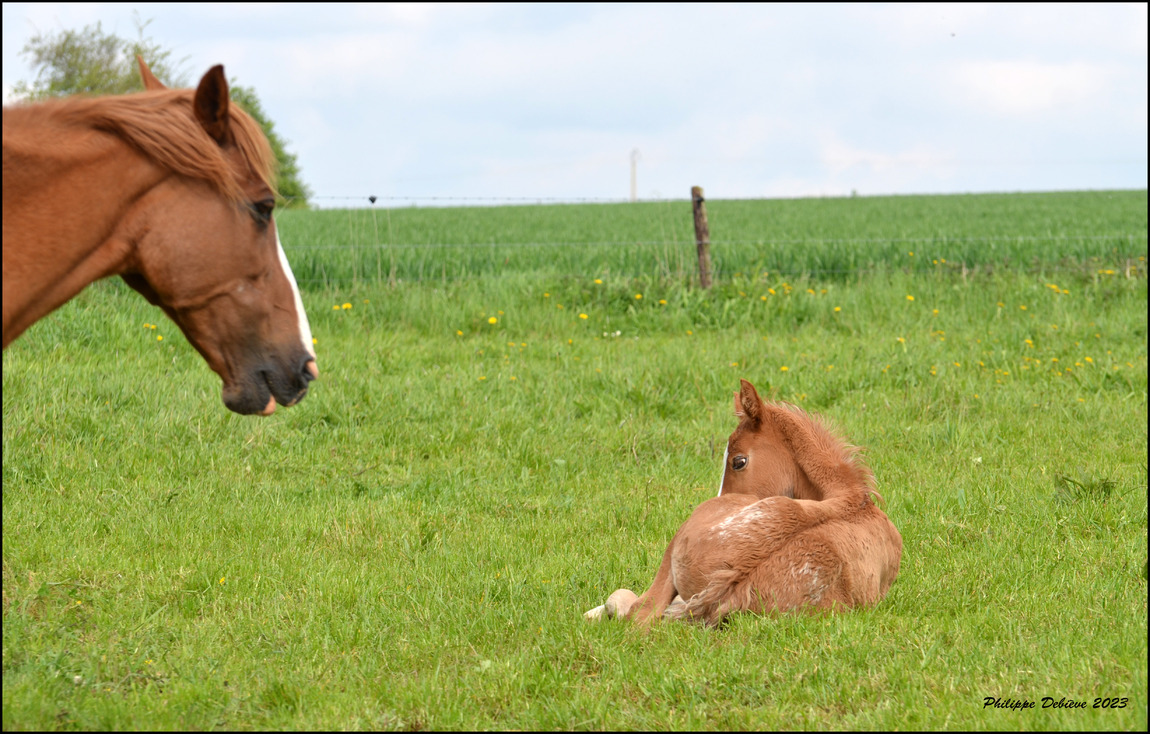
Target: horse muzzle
x=260 y=391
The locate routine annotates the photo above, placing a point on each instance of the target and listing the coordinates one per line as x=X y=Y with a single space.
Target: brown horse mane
x=820 y=451
x=161 y=125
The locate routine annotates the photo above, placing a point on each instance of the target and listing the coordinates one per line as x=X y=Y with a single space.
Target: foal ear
x=211 y=105
x=748 y=400
x=149 y=79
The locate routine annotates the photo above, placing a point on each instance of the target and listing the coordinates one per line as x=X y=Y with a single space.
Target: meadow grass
x=413 y=546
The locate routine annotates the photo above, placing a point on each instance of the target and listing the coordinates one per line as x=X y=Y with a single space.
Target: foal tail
x=727 y=591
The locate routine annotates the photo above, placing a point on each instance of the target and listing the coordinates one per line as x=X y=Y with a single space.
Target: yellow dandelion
x=811 y=291
x=910 y=298
x=493 y=320
x=784 y=368
x=662 y=301
x=598 y=281
x=315 y=341
x=513 y=377
x=483 y=377
x=346 y=306
x=1001 y=304
x=838 y=308
x=1090 y=359
x=901 y=340
x=558 y=305
x=762 y=298
x=935 y=312
x=771 y=291
x=458 y=332
x=583 y=316
x=638 y=296
x=160 y=338
x=734 y=364
x=689 y=332
x=1023 y=307
x=546 y=295
x=335 y=307
x=911 y=254
x=222 y=579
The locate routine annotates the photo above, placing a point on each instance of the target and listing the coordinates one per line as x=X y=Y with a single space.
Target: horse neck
x=74 y=187
x=805 y=489
x=823 y=471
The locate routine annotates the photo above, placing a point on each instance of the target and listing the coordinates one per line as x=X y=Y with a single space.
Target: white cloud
x=1027 y=88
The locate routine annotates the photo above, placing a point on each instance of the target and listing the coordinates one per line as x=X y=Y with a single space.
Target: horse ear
x=748 y=400
x=149 y=79
x=211 y=105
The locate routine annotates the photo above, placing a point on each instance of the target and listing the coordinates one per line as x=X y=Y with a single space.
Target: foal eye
x=739 y=463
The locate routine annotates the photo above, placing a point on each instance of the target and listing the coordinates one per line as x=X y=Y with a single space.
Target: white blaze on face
x=304 y=329
x=724 y=476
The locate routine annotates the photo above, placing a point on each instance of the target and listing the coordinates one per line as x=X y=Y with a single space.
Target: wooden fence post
x=702 y=236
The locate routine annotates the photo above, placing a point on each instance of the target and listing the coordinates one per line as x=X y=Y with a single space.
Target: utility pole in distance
x=634 y=165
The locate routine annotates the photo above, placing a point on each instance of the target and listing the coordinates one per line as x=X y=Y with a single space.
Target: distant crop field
x=517 y=408
x=831 y=238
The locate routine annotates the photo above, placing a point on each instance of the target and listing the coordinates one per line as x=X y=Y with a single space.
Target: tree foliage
x=91 y=61
x=291 y=186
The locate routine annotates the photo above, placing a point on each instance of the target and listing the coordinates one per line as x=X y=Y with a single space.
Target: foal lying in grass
x=793 y=527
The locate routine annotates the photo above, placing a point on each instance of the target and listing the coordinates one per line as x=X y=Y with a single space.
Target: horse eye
x=739 y=463
x=263 y=209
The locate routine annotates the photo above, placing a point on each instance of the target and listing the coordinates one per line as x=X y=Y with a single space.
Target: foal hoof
x=620 y=603
x=594 y=615
x=617 y=605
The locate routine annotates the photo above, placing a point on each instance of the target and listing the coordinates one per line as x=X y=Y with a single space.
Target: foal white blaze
x=304 y=328
x=723 y=477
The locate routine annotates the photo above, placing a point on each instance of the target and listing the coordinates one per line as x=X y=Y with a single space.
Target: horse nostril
x=308 y=369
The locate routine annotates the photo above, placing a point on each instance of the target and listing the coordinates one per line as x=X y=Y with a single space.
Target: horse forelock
x=161 y=125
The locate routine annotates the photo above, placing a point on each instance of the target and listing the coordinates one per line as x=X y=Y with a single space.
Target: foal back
x=779 y=554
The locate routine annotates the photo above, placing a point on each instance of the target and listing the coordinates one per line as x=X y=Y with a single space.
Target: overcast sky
x=747 y=101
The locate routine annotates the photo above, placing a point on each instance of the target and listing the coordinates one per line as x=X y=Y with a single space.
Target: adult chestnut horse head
x=173 y=191
x=793 y=527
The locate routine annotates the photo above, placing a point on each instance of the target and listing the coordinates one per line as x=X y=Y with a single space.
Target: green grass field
x=413 y=546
